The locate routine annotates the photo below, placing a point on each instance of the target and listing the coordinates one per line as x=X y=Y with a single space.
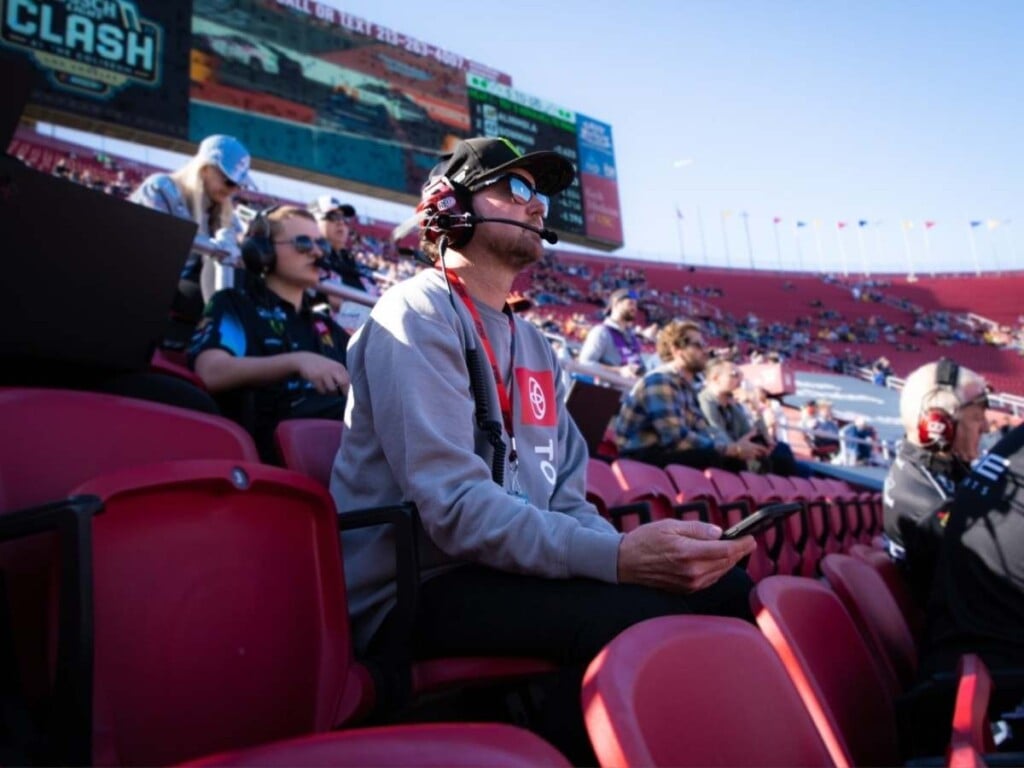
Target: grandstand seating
x=436 y=745
x=689 y=691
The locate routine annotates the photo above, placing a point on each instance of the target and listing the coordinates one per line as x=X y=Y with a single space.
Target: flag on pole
x=862 y=223
x=976 y=223
x=776 y=219
x=992 y=223
x=679 y=214
x=929 y=224
x=801 y=223
x=907 y=224
x=726 y=214
x=840 y=224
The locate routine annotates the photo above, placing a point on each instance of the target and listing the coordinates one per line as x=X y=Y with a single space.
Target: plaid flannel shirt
x=661 y=410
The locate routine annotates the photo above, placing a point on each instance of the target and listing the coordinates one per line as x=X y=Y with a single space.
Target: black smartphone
x=762 y=519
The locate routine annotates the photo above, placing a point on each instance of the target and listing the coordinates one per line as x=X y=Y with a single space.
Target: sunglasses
x=522 y=191
x=305 y=244
x=692 y=343
x=336 y=216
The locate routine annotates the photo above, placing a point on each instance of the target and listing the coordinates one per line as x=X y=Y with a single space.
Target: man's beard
x=518 y=252
x=627 y=316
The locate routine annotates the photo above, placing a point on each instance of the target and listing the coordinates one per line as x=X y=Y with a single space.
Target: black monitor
x=19 y=78
x=88 y=278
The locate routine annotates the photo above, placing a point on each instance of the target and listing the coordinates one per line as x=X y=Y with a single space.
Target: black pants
x=477 y=611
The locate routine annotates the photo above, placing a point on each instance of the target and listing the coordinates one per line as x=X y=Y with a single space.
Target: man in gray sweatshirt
x=513 y=559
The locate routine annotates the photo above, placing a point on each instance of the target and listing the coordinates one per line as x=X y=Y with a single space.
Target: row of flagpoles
x=816 y=226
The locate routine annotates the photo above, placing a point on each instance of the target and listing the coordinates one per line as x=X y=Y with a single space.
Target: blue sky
x=885 y=111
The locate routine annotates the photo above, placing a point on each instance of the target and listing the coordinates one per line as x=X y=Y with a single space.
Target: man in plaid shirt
x=661 y=421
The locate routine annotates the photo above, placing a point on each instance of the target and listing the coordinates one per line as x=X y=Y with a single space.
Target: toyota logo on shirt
x=537 y=397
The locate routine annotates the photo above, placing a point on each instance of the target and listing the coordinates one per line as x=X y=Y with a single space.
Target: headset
x=446 y=211
x=258 y=253
x=936 y=424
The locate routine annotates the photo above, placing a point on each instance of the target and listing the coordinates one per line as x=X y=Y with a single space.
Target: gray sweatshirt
x=411 y=435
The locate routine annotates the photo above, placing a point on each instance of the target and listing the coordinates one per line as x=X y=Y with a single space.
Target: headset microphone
x=546 y=234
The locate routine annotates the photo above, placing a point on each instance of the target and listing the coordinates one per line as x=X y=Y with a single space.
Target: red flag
x=841 y=224
x=776 y=220
x=929 y=224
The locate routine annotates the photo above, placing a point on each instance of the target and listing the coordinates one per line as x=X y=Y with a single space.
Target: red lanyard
x=504 y=394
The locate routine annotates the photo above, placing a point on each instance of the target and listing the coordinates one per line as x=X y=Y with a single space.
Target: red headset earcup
x=936 y=430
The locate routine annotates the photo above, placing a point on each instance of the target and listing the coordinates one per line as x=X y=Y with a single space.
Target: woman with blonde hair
x=202 y=191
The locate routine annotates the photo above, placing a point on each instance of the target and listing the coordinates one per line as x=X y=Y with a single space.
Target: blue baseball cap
x=228 y=154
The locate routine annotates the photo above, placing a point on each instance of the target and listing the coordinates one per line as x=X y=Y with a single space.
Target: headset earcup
x=936 y=429
x=258 y=252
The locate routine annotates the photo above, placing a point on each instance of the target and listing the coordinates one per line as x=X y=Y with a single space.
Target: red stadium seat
x=832 y=667
x=605 y=493
x=646 y=482
x=781 y=543
x=877 y=615
x=693 y=485
x=897 y=585
x=436 y=745
x=54 y=440
x=309 y=446
x=220 y=616
x=689 y=691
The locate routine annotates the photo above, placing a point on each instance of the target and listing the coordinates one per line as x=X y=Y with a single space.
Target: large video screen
x=119 y=62
x=346 y=101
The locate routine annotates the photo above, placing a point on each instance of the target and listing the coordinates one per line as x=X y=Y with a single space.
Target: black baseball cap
x=475 y=161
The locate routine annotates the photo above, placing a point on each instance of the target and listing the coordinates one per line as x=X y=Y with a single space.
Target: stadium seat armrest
x=641 y=509
x=46 y=517
x=71 y=520
x=700 y=506
x=403 y=518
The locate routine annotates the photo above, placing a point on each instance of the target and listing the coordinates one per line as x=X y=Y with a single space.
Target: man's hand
x=327 y=375
x=679 y=555
x=745 y=448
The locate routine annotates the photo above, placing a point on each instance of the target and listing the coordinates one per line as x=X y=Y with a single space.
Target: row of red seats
x=185 y=568
x=833 y=516
x=814 y=686
x=217 y=582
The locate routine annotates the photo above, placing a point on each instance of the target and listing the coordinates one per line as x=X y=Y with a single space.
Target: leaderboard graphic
x=314 y=92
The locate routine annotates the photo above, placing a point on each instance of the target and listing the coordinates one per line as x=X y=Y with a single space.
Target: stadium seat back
x=831 y=664
x=645 y=482
x=684 y=691
x=309 y=446
x=55 y=439
x=877 y=615
x=220 y=611
x=895 y=582
x=693 y=485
